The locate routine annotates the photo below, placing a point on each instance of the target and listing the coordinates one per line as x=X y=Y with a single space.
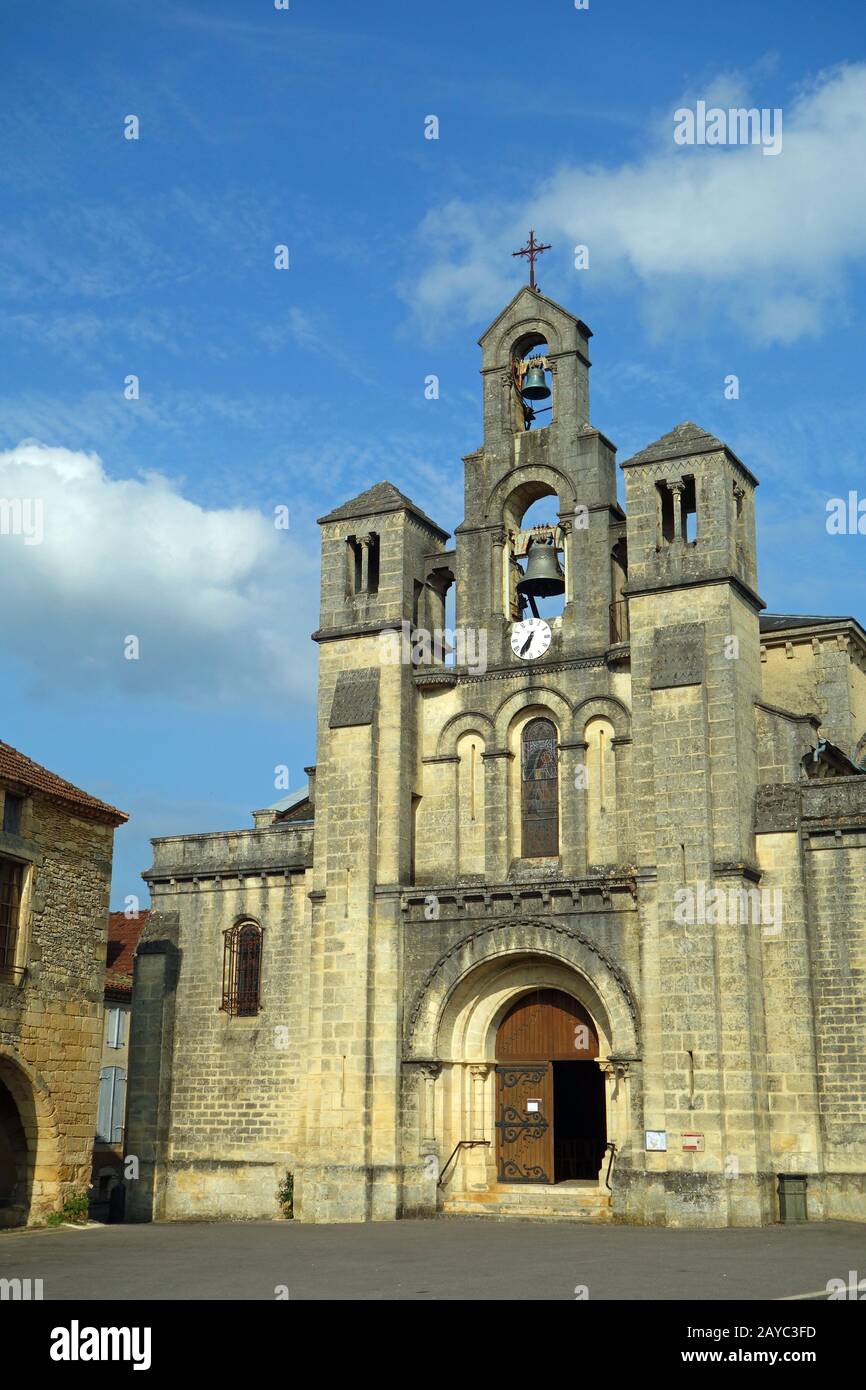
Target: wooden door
x=524 y=1124
x=546 y=1025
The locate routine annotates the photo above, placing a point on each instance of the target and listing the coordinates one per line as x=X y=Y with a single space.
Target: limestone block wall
x=823 y=673
x=486 y=712
x=812 y=850
x=795 y=1135
x=215 y=1116
x=695 y=772
x=51 y=1015
x=835 y=825
x=783 y=741
x=366 y=778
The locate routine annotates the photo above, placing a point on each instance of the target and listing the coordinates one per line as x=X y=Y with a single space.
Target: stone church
x=571 y=917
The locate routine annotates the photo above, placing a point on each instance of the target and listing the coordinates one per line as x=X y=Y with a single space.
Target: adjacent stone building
x=56 y=847
x=572 y=916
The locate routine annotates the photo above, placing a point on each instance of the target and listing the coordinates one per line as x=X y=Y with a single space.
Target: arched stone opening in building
x=531 y=517
x=532 y=375
x=29 y=1183
x=455 y=1028
x=14 y=1196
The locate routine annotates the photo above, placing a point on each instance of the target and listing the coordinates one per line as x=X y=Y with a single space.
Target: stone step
x=564 y=1202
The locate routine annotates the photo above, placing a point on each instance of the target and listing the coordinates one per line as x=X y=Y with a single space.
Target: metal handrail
x=612 y=1146
x=461 y=1144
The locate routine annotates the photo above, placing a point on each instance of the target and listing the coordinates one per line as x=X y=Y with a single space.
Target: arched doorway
x=550 y=1102
x=14 y=1167
x=29 y=1160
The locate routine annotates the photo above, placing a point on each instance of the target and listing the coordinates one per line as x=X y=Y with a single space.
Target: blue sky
x=261 y=388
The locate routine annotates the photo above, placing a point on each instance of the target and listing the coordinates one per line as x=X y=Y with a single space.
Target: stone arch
x=603 y=707
x=540 y=697
x=540 y=326
x=469 y=989
x=38 y=1189
x=467 y=722
x=528 y=484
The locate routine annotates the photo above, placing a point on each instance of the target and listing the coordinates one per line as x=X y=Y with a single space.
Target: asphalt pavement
x=454 y=1258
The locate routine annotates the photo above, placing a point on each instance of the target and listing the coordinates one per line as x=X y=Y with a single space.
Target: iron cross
x=532 y=249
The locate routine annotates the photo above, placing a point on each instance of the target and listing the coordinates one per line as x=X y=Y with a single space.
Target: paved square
x=432 y=1260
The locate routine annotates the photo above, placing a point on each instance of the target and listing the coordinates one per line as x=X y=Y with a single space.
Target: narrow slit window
x=354 y=564
x=689 y=511
x=373 y=563
x=667 y=521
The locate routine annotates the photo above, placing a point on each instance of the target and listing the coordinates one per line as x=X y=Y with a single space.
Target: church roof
x=781 y=622
x=684 y=439
x=383 y=497
x=288 y=803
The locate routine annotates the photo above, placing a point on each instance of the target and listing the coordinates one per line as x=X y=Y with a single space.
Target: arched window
x=540 y=790
x=242 y=970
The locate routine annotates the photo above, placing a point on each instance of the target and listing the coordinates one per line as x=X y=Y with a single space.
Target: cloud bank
x=703 y=230
x=221 y=601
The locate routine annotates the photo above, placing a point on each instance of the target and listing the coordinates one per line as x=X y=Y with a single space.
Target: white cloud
x=765 y=240
x=222 y=602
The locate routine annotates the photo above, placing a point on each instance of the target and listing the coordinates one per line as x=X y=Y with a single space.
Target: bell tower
x=538 y=443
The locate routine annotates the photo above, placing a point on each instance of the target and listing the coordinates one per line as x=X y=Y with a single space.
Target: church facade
x=571 y=919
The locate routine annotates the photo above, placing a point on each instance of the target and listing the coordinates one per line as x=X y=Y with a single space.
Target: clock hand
x=527 y=644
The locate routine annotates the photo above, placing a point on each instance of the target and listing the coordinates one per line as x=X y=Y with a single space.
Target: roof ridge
x=384 y=496
x=18 y=767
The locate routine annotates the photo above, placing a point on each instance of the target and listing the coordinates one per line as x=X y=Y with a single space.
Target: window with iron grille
x=11 y=880
x=242 y=970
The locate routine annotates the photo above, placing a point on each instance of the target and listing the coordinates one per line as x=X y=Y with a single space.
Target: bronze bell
x=543 y=576
x=535 y=388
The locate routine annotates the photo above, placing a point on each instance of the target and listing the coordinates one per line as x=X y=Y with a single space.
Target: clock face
x=530 y=639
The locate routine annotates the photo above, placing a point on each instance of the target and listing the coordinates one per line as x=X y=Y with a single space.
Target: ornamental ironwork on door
x=524 y=1127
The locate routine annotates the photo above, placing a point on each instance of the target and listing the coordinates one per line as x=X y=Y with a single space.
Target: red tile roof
x=123 y=934
x=16 y=767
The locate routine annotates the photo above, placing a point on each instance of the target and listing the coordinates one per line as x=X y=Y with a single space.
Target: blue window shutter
x=115 y=1027
x=103 y=1115
x=118 y=1105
